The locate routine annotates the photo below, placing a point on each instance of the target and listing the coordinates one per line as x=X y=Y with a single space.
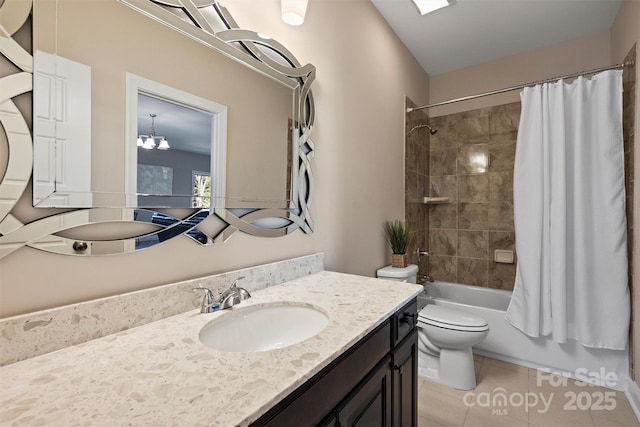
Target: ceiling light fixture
x=293 y=11
x=148 y=142
x=427 y=6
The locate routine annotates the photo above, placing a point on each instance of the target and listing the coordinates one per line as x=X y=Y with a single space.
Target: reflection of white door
x=61 y=132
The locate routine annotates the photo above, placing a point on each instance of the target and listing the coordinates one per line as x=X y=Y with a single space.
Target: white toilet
x=407 y=274
x=445 y=338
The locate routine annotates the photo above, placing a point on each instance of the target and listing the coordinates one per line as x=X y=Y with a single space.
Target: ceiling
x=471 y=32
x=466 y=33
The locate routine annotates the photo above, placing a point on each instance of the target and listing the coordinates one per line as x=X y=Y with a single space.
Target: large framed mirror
x=78 y=152
x=228 y=112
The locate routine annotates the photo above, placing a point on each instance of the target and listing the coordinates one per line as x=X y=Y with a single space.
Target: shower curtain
x=569 y=213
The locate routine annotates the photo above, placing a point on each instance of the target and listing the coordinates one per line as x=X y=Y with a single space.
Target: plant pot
x=399 y=260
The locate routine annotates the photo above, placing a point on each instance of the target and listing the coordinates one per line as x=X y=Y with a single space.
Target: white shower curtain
x=569 y=212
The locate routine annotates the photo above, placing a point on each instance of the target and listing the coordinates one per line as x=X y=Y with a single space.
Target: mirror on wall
x=104 y=91
x=89 y=116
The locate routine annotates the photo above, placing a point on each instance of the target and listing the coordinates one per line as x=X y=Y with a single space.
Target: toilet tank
x=406 y=274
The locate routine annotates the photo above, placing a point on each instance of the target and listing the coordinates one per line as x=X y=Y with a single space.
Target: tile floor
x=549 y=403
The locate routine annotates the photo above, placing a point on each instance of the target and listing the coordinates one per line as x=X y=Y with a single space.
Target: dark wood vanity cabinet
x=370 y=404
x=405 y=382
x=372 y=384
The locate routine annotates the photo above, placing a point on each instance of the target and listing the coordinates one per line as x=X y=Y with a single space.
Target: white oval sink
x=263 y=327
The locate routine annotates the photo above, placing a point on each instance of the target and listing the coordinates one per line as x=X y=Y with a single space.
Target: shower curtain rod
x=509 y=89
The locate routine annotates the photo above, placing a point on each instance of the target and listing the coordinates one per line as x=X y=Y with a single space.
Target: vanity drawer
x=403 y=322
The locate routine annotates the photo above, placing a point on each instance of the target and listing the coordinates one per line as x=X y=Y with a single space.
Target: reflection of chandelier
x=148 y=142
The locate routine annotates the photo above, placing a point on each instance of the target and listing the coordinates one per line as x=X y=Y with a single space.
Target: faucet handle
x=209 y=303
x=242 y=292
x=208 y=294
x=235 y=282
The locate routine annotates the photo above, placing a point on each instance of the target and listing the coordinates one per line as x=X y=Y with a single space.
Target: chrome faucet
x=232 y=296
x=209 y=303
x=423 y=277
x=421 y=252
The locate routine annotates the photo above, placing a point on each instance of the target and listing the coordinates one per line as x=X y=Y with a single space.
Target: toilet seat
x=425 y=322
x=449 y=318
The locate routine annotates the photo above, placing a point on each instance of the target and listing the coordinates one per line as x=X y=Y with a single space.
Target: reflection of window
x=155 y=180
x=201 y=190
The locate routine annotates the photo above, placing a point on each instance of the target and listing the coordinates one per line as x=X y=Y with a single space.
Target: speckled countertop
x=161 y=374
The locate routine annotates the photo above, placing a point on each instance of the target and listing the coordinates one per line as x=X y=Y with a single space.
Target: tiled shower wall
x=470 y=161
x=628 y=131
x=416 y=179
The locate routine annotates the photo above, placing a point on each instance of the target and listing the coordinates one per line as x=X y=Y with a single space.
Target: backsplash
x=33 y=334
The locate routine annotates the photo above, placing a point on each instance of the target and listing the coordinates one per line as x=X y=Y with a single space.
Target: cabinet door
x=369 y=405
x=405 y=382
x=319 y=396
x=330 y=421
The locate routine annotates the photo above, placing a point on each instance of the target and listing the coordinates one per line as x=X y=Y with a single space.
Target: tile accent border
x=32 y=334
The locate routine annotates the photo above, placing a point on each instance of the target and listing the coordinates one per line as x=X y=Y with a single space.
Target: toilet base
x=428 y=366
x=453 y=368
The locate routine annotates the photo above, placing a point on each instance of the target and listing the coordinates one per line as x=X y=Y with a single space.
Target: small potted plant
x=398 y=234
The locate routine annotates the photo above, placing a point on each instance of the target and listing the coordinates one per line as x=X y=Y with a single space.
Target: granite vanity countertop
x=161 y=374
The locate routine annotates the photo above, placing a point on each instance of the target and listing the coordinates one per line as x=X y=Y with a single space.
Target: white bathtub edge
x=633 y=396
x=507 y=343
x=509 y=359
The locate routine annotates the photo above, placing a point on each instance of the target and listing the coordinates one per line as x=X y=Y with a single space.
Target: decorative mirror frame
x=245 y=46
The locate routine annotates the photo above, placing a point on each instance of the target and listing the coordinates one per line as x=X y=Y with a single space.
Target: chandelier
x=148 y=142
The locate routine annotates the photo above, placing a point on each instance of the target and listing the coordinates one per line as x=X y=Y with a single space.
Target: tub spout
x=425 y=278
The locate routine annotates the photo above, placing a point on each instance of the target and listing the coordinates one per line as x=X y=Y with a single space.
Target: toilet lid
x=390 y=272
x=445 y=316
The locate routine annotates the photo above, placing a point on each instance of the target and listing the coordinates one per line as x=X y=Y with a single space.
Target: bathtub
x=507 y=343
